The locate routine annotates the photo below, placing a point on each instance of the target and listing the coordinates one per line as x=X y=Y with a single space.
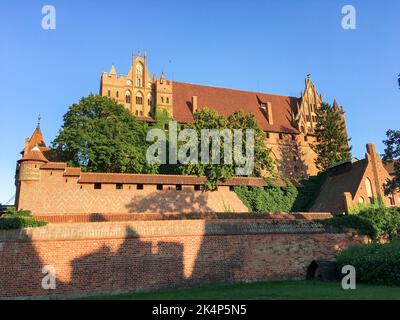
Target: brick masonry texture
x=97 y=217
x=101 y=257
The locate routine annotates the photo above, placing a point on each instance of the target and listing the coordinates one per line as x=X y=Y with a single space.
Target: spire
x=35 y=140
x=162 y=78
x=38 y=121
x=113 y=72
x=335 y=105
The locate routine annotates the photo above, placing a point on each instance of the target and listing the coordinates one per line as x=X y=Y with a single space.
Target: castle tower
x=28 y=167
x=133 y=90
x=164 y=95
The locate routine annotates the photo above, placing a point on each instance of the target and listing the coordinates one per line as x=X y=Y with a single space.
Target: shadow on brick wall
x=115 y=266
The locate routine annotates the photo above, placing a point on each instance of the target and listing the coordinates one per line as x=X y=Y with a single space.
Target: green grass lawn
x=302 y=290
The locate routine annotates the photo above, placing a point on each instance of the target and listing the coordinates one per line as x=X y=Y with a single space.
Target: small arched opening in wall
x=312 y=270
x=325 y=270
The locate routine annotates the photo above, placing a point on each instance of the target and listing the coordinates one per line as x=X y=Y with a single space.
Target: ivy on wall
x=268 y=199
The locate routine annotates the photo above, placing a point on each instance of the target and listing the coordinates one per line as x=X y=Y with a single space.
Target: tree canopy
x=332 y=144
x=100 y=135
x=209 y=119
x=392 y=154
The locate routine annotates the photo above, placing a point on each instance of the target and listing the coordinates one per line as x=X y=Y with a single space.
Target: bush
x=375 y=222
x=18 y=220
x=361 y=207
x=269 y=199
x=374 y=263
x=386 y=220
x=361 y=225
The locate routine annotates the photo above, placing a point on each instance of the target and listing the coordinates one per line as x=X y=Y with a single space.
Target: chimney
x=269 y=113
x=194 y=104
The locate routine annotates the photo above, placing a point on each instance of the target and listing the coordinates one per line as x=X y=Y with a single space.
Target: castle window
x=167 y=100
x=267 y=134
x=196 y=187
x=137 y=112
x=368 y=187
x=139 y=186
x=160 y=187
x=97 y=185
x=127 y=97
x=293 y=137
x=141 y=113
x=162 y=99
x=149 y=99
x=178 y=187
x=231 y=188
x=139 y=98
x=109 y=93
x=139 y=75
x=117 y=94
x=280 y=136
x=119 y=186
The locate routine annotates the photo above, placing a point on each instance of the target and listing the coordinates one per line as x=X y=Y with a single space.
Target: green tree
x=102 y=136
x=332 y=144
x=209 y=119
x=392 y=154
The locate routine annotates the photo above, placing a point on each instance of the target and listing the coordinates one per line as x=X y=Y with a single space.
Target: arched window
x=128 y=96
x=368 y=187
x=117 y=94
x=149 y=99
x=167 y=99
x=139 y=98
x=139 y=75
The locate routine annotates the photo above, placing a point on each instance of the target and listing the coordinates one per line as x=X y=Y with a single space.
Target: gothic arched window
x=139 y=98
x=368 y=187
x=139 y=75
x=128 y=96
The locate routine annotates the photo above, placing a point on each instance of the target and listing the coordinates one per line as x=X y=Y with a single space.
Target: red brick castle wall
x=100 y=257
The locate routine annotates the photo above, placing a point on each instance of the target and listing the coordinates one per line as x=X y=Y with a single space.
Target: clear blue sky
x=266 y=46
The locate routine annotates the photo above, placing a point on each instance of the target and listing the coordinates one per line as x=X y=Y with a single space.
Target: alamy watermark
x=49 y=18
x=349 y=280
x=349 y=21
x=49 y=280
x=183 y=147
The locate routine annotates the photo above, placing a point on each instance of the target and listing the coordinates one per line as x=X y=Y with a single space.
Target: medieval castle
x=289 y=122
x=52 y=188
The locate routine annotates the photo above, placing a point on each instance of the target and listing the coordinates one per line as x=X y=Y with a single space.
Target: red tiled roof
x=227 y=101
x=331 y=195
x=36 y=139
x=72 y=172
x=91 y=177
x=34 y=155
x=54 y=166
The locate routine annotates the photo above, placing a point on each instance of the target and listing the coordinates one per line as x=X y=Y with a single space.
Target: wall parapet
x=137 y=229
